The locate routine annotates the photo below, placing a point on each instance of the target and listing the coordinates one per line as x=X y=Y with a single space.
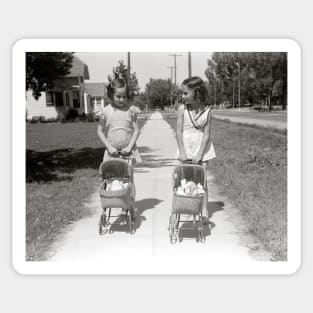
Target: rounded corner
x=19 y=43
x=16 y=268
x=294 y=43
x=295 y=268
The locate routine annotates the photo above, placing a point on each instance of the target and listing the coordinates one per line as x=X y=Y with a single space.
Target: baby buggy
x=187 y=204
x=117 y=170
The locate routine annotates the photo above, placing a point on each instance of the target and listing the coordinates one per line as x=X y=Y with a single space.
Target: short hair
x=119 y=83
x=199 y=87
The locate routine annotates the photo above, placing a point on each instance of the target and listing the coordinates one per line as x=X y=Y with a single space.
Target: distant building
x=96 y=95
x=68 y=92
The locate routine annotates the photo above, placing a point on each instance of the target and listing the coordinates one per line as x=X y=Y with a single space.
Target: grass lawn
x=251 y=169
x=62 y=163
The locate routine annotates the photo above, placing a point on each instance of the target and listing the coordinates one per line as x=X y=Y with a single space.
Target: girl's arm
x=106 y=143
x=134 y=138
x=179 y=133
x=206 y=140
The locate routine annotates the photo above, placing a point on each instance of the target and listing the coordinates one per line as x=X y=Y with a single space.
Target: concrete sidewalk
x=153 y=202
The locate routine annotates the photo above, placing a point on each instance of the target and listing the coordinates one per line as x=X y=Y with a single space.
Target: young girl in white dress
x=193 y=132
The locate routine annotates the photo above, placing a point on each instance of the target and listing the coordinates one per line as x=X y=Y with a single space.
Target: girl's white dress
x=192 y=136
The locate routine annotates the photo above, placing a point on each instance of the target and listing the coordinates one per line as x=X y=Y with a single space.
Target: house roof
x=79 y=68
x=95 y=89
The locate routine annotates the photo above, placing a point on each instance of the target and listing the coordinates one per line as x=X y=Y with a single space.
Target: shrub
x=91 y=117
x=83 y=117
x=72 y=114
x=35 y=119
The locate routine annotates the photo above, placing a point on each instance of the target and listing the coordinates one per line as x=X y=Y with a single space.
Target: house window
x=98 y=102
x=49 y=98
x=76 y=101
x=67 y=99
x=59 y=99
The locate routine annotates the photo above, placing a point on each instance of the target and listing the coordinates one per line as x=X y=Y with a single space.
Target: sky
x=146 y=65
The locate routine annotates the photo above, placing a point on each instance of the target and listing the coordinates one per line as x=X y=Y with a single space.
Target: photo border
x=155 y=265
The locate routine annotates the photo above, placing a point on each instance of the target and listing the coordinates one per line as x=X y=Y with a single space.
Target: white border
x=156 y=265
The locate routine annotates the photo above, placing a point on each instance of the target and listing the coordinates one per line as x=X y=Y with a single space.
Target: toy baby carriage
x=117 y=191
x=189 y=203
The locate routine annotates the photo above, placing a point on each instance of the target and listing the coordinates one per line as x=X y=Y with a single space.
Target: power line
x=171 y=85
x=175 y=65
x=189 y=65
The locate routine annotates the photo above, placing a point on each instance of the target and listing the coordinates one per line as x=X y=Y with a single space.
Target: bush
x=72 y=114
x=83 y=117
x=91 y=117
x=34 y=119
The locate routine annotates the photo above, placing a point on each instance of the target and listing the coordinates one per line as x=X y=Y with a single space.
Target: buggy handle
x=189 y=161
x=120 y=155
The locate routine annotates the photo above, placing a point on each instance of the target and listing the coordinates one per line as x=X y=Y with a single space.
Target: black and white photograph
x=178 y=158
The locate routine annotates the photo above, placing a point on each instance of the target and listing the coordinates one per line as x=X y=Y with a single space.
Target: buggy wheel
x=102 y=224
x=129 y=221
x=132 y=219
x=173 y=240
x=202 y=238
x=171 y=229
x=198 y=237
x=100 y=227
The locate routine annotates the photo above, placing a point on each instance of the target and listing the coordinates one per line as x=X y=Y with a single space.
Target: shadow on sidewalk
x=151 y=159
x=186 y=229
x=141 y=206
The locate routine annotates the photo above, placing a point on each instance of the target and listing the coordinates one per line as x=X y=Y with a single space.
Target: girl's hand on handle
x=112 y=151
x=126 y=151
x=197 y=159
x=183 y=157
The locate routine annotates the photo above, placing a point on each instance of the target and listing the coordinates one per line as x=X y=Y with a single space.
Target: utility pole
x=171 y=86
x=189 y=64
x=238 y=83
x=175 y=66
x=233 y=92
x=171 y=67
x=215 y=94
x=128 y=67
x=128 y=62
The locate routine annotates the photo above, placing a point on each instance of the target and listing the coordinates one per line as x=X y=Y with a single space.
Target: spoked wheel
x=102 y=224
x=131 y=219
x=201 y=237
x=107 y=224
x=173 y=232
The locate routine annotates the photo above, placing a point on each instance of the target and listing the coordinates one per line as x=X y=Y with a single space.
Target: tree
x=158 y=93
x=43 y=68
x=140 y=101
x=121 y=71
x=262 y=76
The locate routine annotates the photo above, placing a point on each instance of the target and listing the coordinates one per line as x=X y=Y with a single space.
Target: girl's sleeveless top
x=192 y=136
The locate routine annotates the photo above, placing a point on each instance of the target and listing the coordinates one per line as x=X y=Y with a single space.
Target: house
x=96 y=95
x=68 y=92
